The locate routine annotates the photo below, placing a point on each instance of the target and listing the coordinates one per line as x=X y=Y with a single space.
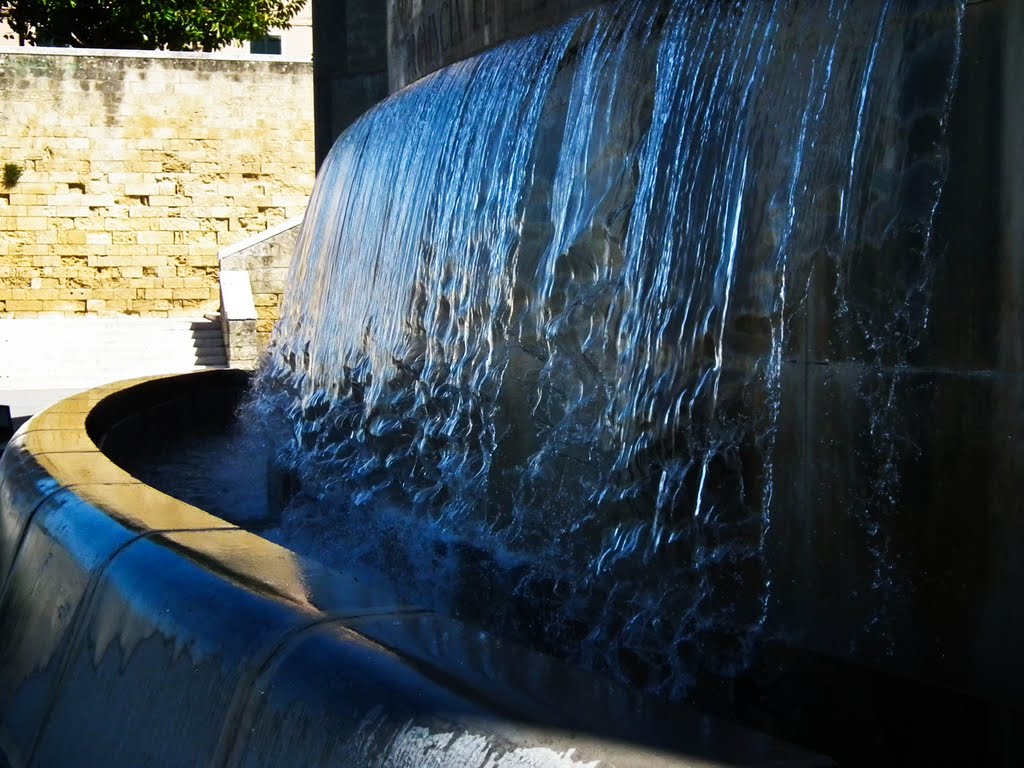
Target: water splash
x=533 y=353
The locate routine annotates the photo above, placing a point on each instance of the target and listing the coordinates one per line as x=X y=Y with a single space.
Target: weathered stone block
x=142 y=189
x=155 y=238
x=191 y=293
x=24 y=305
x=25 y=199
x=30 y=223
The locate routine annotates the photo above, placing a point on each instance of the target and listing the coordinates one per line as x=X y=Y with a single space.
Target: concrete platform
x=22 y=404
x=75 y=353
x=28 y=402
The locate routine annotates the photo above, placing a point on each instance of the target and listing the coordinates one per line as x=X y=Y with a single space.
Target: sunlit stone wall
x=138 y=169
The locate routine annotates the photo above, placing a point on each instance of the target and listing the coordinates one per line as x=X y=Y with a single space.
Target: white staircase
x=78 y=353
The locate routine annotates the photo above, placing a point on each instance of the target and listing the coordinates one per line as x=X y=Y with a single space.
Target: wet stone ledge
x=129 y=619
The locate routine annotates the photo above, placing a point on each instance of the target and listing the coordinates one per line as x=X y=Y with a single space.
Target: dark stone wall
x=425 y=35
x=365 y=49
x=949 y=614
x=350 y=64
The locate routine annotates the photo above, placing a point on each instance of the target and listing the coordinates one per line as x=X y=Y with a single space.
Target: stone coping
x=137 y=629
x=256 y=239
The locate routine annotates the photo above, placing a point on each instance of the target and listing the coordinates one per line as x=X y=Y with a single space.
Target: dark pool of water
x=222 y=472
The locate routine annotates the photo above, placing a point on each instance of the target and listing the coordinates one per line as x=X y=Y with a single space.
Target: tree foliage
x=180 y=25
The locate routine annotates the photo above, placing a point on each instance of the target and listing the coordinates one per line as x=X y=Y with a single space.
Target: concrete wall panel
x=425 y=35
x=158 y=667
x=25 y=485
x=41 y=607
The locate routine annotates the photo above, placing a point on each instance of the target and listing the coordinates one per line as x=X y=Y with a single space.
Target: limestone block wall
x=350 y=64
x=138 y=169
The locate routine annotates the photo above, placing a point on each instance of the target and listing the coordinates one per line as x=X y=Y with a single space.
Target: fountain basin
x=137 y=629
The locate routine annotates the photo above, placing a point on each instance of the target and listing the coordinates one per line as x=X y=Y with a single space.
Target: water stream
x=533 y=360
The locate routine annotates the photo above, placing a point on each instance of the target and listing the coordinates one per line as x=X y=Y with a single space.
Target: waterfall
x=545 y=302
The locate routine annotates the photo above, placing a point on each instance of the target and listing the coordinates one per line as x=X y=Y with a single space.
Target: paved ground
x=26 y=402
x=47 y=359
x=23 y=404
x=66 y=353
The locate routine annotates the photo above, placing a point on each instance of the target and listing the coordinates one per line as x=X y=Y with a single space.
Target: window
x=271 y=45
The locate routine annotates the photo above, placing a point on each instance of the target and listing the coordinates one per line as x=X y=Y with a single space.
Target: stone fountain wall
x=953 y=455
x=929 y=434
x=951 y=400
x=113 y=594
